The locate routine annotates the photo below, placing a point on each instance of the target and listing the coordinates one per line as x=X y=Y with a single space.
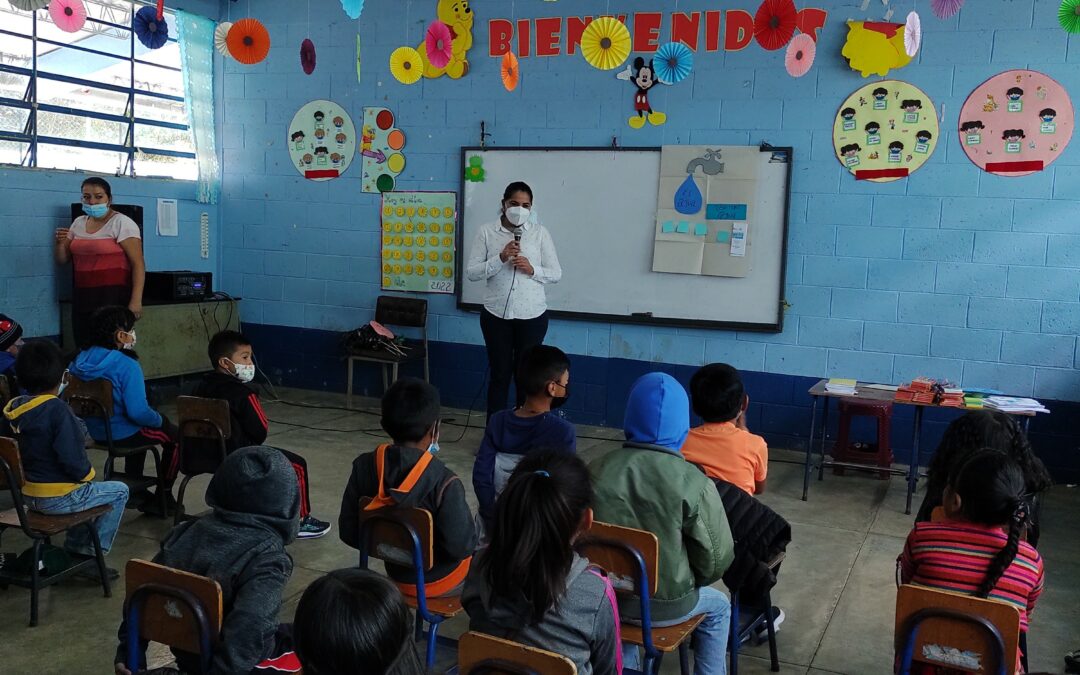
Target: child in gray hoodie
x=529 y=585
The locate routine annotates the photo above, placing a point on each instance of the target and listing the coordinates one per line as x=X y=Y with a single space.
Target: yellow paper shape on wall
x=873 y=48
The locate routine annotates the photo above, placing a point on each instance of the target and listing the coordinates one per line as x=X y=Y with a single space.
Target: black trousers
x=506 y=341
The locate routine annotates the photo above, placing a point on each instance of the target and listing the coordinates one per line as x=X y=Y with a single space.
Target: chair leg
x=427 y=369
x=100 y=555
x=733 y=648
x=684 y=658
x=162 y=490
x=179 y=514
x=109 y=463
x=770 y=616
x=432 y=636
x=349 y=380
x=393 y=373
x=35 y=583
x=418 y=632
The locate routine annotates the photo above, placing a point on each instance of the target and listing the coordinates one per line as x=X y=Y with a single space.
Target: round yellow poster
x=885 y=131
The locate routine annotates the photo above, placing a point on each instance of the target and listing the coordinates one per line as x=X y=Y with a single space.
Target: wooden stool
x=844 y=451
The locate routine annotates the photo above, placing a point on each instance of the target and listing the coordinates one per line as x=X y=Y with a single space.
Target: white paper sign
x=166 y=218
x=738 y=239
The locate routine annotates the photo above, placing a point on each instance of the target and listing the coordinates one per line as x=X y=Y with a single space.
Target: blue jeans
x=710 y=637
x=87 y=496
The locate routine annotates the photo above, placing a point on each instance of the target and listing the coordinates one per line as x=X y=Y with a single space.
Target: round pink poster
x=1016 y=123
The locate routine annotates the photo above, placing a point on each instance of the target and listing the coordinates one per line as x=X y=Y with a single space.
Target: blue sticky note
x=683 y=227
x=725 y=211
x=668 y=226
x=723 y=236
x=701 y=229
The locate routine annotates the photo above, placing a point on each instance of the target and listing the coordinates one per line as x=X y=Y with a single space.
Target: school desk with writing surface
x=868 y=392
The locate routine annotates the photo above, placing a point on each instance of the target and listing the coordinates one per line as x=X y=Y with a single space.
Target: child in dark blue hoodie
x=544 y=376
x=134 y=423
x=52 y=443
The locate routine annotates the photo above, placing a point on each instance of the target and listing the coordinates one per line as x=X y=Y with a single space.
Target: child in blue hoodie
x=52 y=443
x=111 y=356
x=544 y=376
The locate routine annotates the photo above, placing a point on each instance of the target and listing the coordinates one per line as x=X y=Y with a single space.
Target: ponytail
x=536 y=518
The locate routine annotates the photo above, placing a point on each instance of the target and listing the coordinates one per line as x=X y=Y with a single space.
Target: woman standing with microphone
x=516 y=257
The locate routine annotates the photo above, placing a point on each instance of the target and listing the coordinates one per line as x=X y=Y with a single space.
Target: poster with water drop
x=705 y=209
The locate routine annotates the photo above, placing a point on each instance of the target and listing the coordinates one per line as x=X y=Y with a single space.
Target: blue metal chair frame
x=133 y=615
x=737 y=633
x=910 y=630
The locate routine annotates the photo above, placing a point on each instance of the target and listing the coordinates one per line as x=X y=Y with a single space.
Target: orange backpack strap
x=384 y=499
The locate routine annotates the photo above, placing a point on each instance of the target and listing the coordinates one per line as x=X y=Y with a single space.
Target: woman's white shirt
x=510 y=295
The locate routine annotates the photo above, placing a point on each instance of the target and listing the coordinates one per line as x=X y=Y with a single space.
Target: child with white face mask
x=233 y=359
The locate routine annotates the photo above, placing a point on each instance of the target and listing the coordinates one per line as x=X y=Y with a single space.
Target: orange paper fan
x=510 y=73
x=248 y=41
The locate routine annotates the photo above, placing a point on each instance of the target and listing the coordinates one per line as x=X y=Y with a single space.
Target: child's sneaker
x=312 y=528
x=763 y=630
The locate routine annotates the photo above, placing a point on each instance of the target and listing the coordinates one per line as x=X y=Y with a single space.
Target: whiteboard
x=600 y=207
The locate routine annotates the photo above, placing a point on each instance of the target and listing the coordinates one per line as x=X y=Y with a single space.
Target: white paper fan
x=29 y=5
x=912 y=34
x=221 y=38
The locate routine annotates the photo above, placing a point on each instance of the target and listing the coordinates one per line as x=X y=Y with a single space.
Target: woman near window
x=105 y=248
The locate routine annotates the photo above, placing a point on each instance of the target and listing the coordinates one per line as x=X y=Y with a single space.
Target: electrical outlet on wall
x=204 y=235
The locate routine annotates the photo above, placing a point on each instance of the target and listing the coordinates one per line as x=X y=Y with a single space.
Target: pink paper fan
x=438 y=43
x=912 y=33
x=68 y=15
x=307 y=56
x=943 y=9
x=800 y=55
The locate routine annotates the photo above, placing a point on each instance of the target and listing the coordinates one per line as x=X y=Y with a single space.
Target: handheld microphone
x=517 y=235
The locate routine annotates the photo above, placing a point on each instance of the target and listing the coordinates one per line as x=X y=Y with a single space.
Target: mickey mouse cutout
x=643 y=76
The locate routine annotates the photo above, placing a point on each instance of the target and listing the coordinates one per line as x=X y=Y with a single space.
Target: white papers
x=167 y=225
x=1014 y=404
x=841 y=386
x=738 y=239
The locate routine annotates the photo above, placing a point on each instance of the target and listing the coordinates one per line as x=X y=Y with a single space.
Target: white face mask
x=128 y=345
x=517 y=215
x=433 y=447
x=245 y=372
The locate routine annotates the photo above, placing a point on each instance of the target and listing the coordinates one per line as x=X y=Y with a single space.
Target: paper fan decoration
x=1069 y=15
x=29 y=5
x=673 y=62
x=68 y=15
x=775 y=23
x=248 y=41
x=406 y=65
x=605 y=44
x=800 y=55
x=221 y=35
x=438 y=44
x=307 y=56
x=510 y=73
x=353 y=8
x=152 y=32
x=943 y=9
x=912 y=33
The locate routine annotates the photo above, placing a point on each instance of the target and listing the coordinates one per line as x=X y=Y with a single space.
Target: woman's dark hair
x=101 y=183
x=351 y=621
x=536 y=518
x=517 y=186
x=104 y=323
x=992 y=492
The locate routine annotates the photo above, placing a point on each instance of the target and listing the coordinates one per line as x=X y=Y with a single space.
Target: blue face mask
x=95 y=210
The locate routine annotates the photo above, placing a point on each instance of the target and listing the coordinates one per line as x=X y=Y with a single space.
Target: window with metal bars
x=94 y=100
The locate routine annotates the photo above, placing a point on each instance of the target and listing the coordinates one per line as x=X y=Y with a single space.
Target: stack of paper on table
x=919 y=390
x=840 y=386
x=1014 y=404
x=952 y=397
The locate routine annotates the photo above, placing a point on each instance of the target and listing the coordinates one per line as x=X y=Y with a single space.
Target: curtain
x=196 y=37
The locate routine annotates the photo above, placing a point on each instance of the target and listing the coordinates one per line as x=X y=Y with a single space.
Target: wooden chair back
x=605 y=545
x=952 y=636
x=9 y=453
x=89 y=398
x=166 y=620
x=388 y=536
x=204 y=418
x=398 y=311
x=480 y=654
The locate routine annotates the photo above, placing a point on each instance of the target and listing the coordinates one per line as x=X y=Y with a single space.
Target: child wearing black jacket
x=231 y=355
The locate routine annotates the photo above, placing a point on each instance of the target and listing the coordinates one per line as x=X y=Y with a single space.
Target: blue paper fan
x=150 y=31
x=673 y=62
x=353 y=8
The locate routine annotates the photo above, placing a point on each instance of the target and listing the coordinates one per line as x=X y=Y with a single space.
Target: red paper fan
x=438 y=42
x=775 y=23
x=307 y=56
x=249 y=41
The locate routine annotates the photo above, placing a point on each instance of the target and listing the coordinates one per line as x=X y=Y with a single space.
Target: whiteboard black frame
x=777 y=327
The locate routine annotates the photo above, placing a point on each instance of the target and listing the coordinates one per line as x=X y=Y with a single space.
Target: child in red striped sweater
x=979 y=549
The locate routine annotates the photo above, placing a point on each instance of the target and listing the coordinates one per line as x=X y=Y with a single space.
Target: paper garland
x=912 y=34
x=875 y=48
x=221 y=38
x=605 y=43
x=381 y=145
x=248 y=41
x=419 y=241
x=307 y=56
x=438 y=44
x=68 y=15
x=800 y=55
x=152 y=32
x=406 y=65
x=775 y=23
x=1016 y=123
x=673 y=62
x=321 y=140
x=510 y=69
x=885 y=131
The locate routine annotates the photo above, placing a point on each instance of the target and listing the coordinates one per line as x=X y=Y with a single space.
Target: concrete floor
x=837 y=585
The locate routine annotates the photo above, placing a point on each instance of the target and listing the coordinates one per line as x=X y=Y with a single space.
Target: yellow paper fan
x=406 y=66
x=605 y=44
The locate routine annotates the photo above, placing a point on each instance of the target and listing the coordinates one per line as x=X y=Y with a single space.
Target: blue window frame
x=94 y=100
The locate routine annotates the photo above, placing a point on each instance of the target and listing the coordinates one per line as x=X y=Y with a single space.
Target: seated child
x=111 y=356
x=351 y=617
x=52 y=442
x=407 y=473
x=10 y=341
x=241 y=545
x=979 y=548
x=968 y=434
x=544 y=377
x=648 y=485
x=530 y=585
x=231 y=356
x=722 y=446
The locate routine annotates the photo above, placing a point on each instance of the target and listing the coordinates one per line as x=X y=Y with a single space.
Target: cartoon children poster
x=318 y=152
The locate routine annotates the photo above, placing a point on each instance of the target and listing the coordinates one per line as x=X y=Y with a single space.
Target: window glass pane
x=160 y=138
x=15 y=51
x=160 y=109
x=93 y=35
x=180 y=168
x=80 y=128
x=13 y=119
x=12 y=152
x=158 y=80
x=63 y=157
x=166 y=55
x=16 y=21
x=80 y=97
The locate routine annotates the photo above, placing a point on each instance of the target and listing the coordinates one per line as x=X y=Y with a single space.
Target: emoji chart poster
x=418 y=235
x=885 y=131
x=322 y=140
x=380 y=149
x=1016 y=123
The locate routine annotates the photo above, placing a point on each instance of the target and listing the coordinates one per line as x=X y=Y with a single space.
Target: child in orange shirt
x=722 y=446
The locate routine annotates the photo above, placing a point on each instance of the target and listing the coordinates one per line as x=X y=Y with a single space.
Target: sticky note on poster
x=683 y=227
x=700 y=229
x=667 y=227
x=723 y=236
x=738 y=239
x=725 y=212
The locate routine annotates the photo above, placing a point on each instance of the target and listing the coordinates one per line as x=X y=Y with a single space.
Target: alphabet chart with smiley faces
x=419 y=230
